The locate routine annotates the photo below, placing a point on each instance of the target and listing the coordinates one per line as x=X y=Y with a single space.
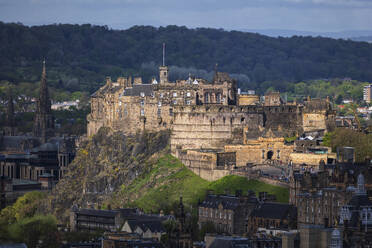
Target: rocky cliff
x=102 y=165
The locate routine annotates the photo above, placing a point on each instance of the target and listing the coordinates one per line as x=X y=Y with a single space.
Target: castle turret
x=44 y=120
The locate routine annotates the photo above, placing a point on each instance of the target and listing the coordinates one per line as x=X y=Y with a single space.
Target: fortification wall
x=310 y=158
x=260 y=150
x=203 y=164
x=211 y=126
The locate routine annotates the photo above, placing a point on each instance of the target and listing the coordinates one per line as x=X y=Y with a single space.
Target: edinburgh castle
x=210 y=122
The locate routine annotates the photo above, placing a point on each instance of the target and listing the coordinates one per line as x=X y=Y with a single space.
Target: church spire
x=44 y=121
x=10 y=122
x=44 y=101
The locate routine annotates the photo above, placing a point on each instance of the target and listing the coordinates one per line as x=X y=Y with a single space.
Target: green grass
x=168 y=179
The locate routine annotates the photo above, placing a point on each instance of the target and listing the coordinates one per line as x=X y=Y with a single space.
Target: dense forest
x=80 y=56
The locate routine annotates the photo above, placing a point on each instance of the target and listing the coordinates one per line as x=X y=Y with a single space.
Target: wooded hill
x=80 y=56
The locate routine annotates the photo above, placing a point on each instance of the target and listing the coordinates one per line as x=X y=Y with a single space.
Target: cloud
x=308 y=15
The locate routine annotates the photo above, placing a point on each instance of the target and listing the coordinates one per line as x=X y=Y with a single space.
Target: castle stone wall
x=200 y=127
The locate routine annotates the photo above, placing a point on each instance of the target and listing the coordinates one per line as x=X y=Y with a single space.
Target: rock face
x=103 y=164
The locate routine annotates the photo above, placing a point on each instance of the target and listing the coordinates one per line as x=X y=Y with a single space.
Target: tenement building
x=228 y=213
x=319 y=196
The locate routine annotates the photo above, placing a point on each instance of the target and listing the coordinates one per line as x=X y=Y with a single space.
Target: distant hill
x=346 y=34
x=80 y=56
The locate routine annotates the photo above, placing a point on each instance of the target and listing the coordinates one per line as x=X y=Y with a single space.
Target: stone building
x=227 y=212
x=50 y=158
x=84 y=219
x=272 y=215
x=320 y=195
x=356 y=217
x=130 y=105
x=201 y=114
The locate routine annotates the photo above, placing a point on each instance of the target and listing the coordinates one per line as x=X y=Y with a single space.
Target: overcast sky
x=304 y=15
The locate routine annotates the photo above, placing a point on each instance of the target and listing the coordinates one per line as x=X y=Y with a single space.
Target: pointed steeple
x=10 y=122
x=44 y=101
x=44 y=121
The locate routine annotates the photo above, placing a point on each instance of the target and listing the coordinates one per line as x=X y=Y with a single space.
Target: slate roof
x=359 y=200
x=97 y=212
x=152 y=225
x=271 y=210
x=125 y=212
x=240 y=242
x=227 y=201
x=46 y=147
x=136 y=90
x=15 y=245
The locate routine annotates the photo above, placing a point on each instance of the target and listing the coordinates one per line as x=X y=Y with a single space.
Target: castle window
x=161 y=95
x=142 y=103
x=206 y=98
x=188 y=94
x=174 y=102
x=159 y=104
x=263 y=154
x=159 y=112
x=278 y=154
x=174 y=94
x=188 y=102
x=142 y=112
x=125 y=110
x=171 y=111
x=218 y=97
x=142 y=94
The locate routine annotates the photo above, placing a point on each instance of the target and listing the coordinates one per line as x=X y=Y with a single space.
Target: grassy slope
x=168 y=179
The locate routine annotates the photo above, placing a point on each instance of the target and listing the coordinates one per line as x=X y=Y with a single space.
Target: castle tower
x=10 y=122
x=163 y=70
x=44 y=120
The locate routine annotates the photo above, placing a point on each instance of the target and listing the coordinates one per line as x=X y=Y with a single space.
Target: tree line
x=79 y=57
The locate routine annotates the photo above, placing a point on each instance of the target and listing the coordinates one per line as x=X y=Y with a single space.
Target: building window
x=206 y=98
x=161 y=95
x=188 y=102
x=159 y=104
x=188 y=94
x=174 y=102
x=142 y=103
x=218 y=97
x=159 y=112
x=174 y=94
x=142 y=112
x=263 y=154
x=278 y=154
x=171 y=111
x=125 y=110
